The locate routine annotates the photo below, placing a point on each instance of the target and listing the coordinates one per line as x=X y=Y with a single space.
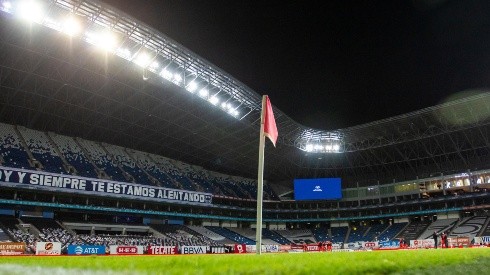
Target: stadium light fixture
x=214 y=100
x=177 y=78
x=142 y=60
x=318 y=147
x=336 y=148
x=104 y=40
x=166 y=74
x=30 y=10
x=309 y=147
x=191 y=87
x=203 y=92
x=154 y=65
x=71 y=26
x=124 y=53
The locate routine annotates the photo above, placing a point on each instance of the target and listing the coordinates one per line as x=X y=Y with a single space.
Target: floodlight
x=105 y=40
x=214 y=100
x=203 y=92
x=166 y=74
x=71 y=26
x=154 y=65
x=124 y=53
x=318 y=147
x=177 y=78
x=191 y=87
x=30 y=10
x=223 y=105
x=336 y=147
x=328 y=147
x=309 y=147
x=142 y=60
x=235 y=113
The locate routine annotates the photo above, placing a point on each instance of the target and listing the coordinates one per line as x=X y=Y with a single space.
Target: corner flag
x=267 y=129
x=270 y=128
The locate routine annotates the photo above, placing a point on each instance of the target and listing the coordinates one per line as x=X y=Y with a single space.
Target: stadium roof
x=53 y=81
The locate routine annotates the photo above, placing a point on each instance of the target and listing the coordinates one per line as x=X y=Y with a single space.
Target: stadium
x=118 y=140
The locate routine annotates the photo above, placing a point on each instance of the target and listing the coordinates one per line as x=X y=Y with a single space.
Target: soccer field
x=450 y=261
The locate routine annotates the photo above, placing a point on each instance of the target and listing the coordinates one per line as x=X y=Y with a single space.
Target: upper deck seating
x=11 y=149
x=74 y=155
x=42 y=150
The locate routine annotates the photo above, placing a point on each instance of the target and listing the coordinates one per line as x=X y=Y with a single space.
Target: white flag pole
x=260 y=185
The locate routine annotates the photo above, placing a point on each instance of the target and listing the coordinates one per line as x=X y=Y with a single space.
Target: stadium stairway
x=227 y=191
x=470 y=228
x=276 y=237
x=40 y=223
x=11 y=149
x=102 y=160
x=392 y=231
x=159 y=230
x=225 y=232
x=69 y=230
x=42 y=150
x=152 y=180
x=116 y=161
x=74 y=156
x=439 y=226
x=485 y=231
x=210 y=234
x=101 y=174
x=458 y=223
x=172 y=181
x=374 y=231
x=347 y=235
x=413 y=230
x=156 y=174
x=67 y=166
x=32 y=161
x=192 y=232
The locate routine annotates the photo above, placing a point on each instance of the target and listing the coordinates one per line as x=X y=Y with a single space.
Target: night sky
x=335 y=64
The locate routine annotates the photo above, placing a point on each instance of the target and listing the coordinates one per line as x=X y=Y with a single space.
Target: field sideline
x=450 y=261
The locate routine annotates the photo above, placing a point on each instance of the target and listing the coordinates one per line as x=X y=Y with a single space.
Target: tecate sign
x=162 y=250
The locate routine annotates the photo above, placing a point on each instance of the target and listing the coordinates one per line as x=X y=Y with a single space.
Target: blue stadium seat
x=11 y=149
x=42 y=150
x=74 y=155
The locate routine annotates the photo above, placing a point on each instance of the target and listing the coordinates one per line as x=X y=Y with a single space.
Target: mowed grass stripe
x=467 y=261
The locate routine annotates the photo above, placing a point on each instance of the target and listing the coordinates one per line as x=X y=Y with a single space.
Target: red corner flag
x=270 y=128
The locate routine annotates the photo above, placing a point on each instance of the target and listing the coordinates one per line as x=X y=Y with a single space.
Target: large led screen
x=317 y=189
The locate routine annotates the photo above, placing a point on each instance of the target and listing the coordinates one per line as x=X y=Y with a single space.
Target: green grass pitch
x=450 y=261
